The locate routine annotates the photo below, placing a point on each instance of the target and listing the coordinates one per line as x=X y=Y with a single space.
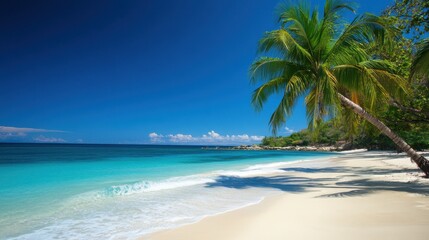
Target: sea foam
x=152 y=186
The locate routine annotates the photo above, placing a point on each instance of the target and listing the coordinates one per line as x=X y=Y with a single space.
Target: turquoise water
x=50 y=191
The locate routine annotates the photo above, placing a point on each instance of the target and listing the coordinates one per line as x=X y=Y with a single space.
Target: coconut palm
x=329 y=63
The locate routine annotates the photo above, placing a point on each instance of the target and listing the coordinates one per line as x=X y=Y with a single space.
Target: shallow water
x=50 y=191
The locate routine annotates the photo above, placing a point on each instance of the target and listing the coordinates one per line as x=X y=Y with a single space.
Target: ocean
x=84 y=191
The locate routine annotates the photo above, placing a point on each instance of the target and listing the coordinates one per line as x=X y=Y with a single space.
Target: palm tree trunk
x=420 y=160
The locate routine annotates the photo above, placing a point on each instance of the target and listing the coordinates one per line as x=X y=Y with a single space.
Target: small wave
x=152 y=186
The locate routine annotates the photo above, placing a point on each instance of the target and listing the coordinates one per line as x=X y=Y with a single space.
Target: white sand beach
x=360 y=195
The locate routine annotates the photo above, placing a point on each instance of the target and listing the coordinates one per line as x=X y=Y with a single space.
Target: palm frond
x=295 y=88
x=364 y=83
x=383 y=71
x=269 y=68
x=332 y=7
x=282 y=42
x=261 y=94
x=364 y=29
x=420 y=63
x=301 y=23
x=373 y=79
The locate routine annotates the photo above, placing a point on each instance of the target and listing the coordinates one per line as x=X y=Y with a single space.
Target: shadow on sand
x=352 y=188
x=283 y=183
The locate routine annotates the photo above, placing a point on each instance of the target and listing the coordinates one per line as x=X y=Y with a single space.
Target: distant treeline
x=332 y=134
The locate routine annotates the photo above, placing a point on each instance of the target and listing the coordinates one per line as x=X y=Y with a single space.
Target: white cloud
x=256 y=138
x=211 y=137
x=44 y=139
x=154 y=137
x=289 y=130
x=180 y=138
x=214 y=134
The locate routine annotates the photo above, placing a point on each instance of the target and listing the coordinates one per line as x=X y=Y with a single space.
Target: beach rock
x=323 y=148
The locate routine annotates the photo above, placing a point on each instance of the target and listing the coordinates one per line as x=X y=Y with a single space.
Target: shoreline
x=312 y=148
x=315 y=148
x=339 y=182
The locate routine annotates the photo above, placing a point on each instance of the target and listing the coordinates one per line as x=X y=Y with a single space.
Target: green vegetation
x=352 y=74
x=412 y=17
x=409 y=118
x=368 y=137
x=328 y=135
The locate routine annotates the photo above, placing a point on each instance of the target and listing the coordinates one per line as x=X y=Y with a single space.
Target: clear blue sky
x=119 y=71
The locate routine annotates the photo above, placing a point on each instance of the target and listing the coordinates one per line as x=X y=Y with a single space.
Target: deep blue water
x=49 y=189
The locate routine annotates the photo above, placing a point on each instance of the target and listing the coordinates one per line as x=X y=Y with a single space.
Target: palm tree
x=330 y=64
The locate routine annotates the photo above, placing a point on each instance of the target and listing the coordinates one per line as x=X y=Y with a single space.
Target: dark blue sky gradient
x=115 y=71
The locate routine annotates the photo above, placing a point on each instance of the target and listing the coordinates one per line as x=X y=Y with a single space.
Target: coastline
x=315 y=148
x=358 y=195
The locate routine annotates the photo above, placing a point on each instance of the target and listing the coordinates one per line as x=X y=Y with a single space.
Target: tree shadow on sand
x=350 y=188
x=283 y=183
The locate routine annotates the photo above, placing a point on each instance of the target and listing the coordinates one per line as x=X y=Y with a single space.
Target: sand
x=359 y=195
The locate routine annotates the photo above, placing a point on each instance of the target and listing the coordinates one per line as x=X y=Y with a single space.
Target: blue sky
x=172 y=72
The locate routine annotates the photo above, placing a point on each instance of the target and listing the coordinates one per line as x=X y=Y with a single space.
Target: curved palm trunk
x=420 y=160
